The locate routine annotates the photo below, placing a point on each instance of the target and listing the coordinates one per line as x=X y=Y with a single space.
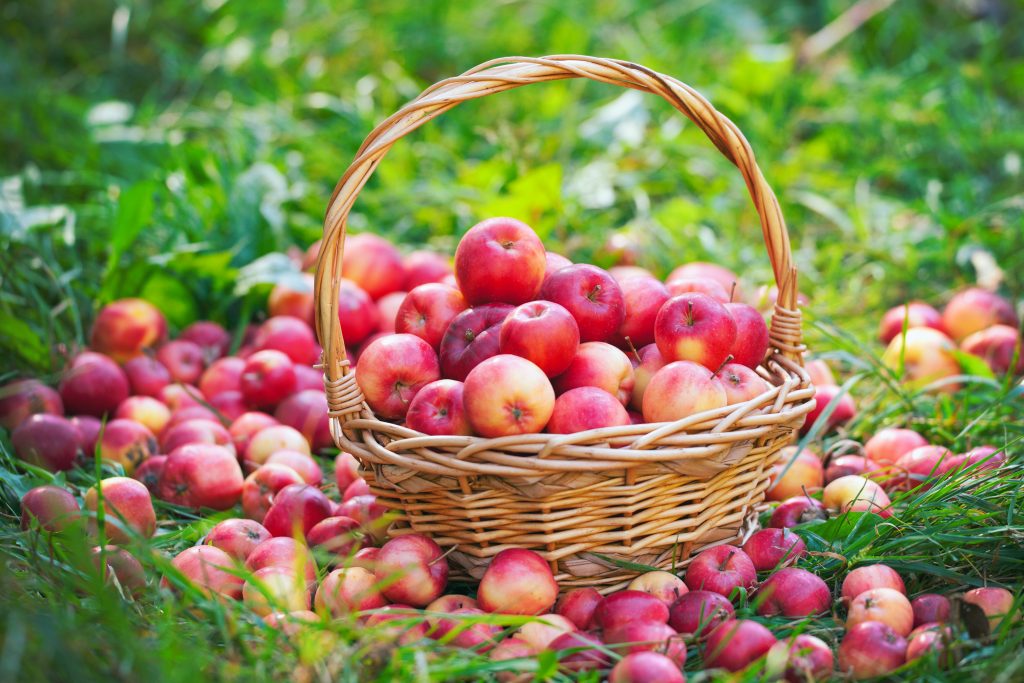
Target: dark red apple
x=201 y=475
x=591 y=295
x=793 y=592
x=642 y=298
x=358 y=314
x=438 y=409
x=737 y=644
x=871 y=649
x=53 y=508
x=93 y=385
x=48 y=441
x=291 y=336
x=471 y=338
x=797 y=510
x=721 y=569
x=774 y=547
x=700 y=612
x=24 y=397
x=579 y=605
x=622 y=607
x=146 y=376
x=268 y=378
x=751 y=343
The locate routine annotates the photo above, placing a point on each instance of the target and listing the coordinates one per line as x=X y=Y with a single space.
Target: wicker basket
x=596 y=503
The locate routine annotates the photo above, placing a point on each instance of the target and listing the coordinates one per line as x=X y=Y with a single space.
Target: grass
x=167 y=148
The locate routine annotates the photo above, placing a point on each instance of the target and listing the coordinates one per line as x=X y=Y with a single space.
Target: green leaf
x=172 y=297
x=19 y=337
x=972 y=365
x=134 y=211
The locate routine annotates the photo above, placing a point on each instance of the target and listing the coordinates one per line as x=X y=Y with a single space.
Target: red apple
x=422 y=267
x=291 y=336
x=821 y=375
x=48 y=441
x=88 y=429
x=807 y=659
x=183 y=359
x=890 y=444
x=517 y=581
x=930 y=608
x=553 y=262
x=270 y=440
x=915 y=469
x=346 y=470
x=118 y=563
x=695 y=327
x=797 y=510
x=540 y=632
x=772 y=548
x=127 y=443
x=146 y=411
x=438 y=409
x=681 y=389
x=149 y=472
x=737 y=644
x=93 y=385
x=438 y=627
x=306 y=411
x=578 y=606
x=512 y=648
x=863 y=579
x=296 y=509
x=663 y=585
x=237 y=537
x=125 y=327
x=201 y=475
x=127 y=507
x=359 y=487
x=245 y=426
x=798 y=472
x=914 y=313
x=741 y=383
x=283 y=552
x=464 y=630
x=472 y=337
x=213 y=339
x=268 y=378
x=373 y=263
x=25 y=397
x=191 y=413
x=53 y=508
x=721 y=569
x=646 y=362
x=368 y=512
x=643 y=297
x=399 y=623
x=871 y=649
x=388 y=307
x=337 y=535
x=622 y=607
x=601 y=365
x=975 y=309
x=842 y=406
x=500 y=260
x=229 y=405
x=845 y=465
x=542 y=332
x=856 y=494
x=349 y=589
x=584 y=408
x=358 y=314
x=623 y=273
x=646 y=667
x=412 y=569
x=793 y=592
x=196 y=432
x=886 y=605
x=711 y=271
x=996 y=603
x=751 y=343
x=310 y=257
x=210 y=570
x=997 y=346
x=591 y=295
x=931 y=638
x=926 y=356
x=507 y=395
x=392 y=370
x=698 y=285
x=293 y=297
x=584 y=652
x=303 y=463
x=180 y=396
x=428 y=310
x=275 y=589
x=700 y=612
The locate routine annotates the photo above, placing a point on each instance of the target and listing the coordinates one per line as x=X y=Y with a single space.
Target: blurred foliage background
x=160 y=148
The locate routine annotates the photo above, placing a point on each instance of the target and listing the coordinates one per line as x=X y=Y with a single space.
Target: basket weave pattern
x=593 y=502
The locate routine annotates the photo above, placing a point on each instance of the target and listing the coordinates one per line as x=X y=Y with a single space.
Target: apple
x=930 y=608
x=291 y=336
x=190 y=413
x=646 y=362
x=23 y=398
x=438 y=409
x=237 y=537
x=46 y=440
x=642 y=298
x=392 y=370
x=412 y=569
x=306 y=411
x=285 y=552
x=871 y=649
x=125 y=327
x=997 y=346
x=583 y=652
x=647 y=636
x=622 y=607
x=512 y=648
x=127 y=509
x=149 y=472
x=699 y=612
x=539 y=632
x=711 y=271
x=914 y=313
x=183 y=359
x=424 y=266
x=267 y=379
x=886 y=605
x=646 y=667
x=984 y=458
x=927 y=356
x=270 y=440
x=737 y=644
x=127 y=443
x=843 y=410
x=229 y=405
x=931 y=638
x=373 y=263
x=507 y=395
x=663 y=585
x=698 y=285
x=517 y=581
x=368 y=512
x=592 y=297
x=93 y=385
x=821 y=375
x=774 y=547
x=796 y=511
x=845 y=465
x=210 y=570
x=88 y=429
x=975 y=309
x=144 y=410
x=209 y=336
x=553 y=262
x=293 y=297
x=388 y=307
x=500 y=260
x=741 y=383
x=359 y=487
x=336 y=535
x=53 y=508
x=807 y=659
x=439 y=626
x=245 y=426
x=542 y=332
x=996 y=603
x=463 y=630
x=695 y=327
x=751 y=343
x=622 y=273
x=863 y=579
x=112 y=561
x=914 y=469
x=394 y=622
x=275 y=589
x=579 y=605
x=201 y=475
x=797 y=473
x=196 y=432
x=303 y=463
x=793 y=592
x=178 y=397
x=472 y=337
x=359 y=316
x=296 y=509
x=584 y=408
x=890 y=444
x=428 y=310
x=721 y=569
x=346 y=470
x=601 y=365
x=347 y=590
x=856 y=494
x=681 y=389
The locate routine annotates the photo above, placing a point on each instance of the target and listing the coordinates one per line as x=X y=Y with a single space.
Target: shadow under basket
x=600 y=506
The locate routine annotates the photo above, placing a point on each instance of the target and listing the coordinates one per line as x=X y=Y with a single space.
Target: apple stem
x=629 y=342
x=732 y=292
x=443 y=555
x=689 y=312
x=728 y=359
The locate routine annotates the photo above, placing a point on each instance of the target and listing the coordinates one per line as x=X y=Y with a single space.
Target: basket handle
x=512 y=72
